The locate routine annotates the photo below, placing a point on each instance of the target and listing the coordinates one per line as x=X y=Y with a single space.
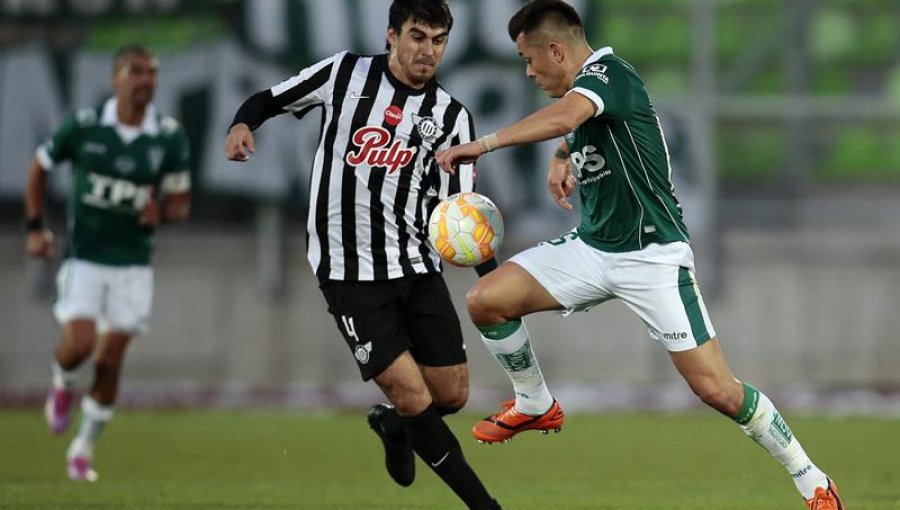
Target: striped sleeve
x=307 y=89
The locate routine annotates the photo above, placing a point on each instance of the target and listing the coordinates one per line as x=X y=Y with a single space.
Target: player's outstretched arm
x=39 y=240
x=553 y=121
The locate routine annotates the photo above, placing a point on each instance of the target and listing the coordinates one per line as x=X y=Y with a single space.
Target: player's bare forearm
x=39 y=239
x=552 y=121
x=555 y=120
x=35 y=189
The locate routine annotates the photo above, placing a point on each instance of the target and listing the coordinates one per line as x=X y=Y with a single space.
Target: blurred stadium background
x=782 y=115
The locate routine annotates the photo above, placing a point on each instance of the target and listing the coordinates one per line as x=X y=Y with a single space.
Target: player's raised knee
x=483 y=305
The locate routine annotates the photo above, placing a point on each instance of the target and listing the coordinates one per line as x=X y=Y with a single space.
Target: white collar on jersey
x=109 y=117
x=597 y=55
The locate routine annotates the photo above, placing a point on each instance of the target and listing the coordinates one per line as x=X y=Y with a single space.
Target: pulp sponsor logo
x=393 y=115
x=375 y=150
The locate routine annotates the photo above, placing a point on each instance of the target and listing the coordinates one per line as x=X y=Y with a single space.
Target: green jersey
x=115 y=168
x=621 y=162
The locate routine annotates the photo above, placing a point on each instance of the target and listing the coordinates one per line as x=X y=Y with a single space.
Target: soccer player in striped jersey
x=632 y=243
x=130 y=172
x=374 y=181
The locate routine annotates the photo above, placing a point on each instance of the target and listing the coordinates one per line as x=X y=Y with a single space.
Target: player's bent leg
x=402 y=382
x=97 y=407
x=80 y=454
x=707 y=373
x=76 y=345
x=108 y=366
x=79 y=336
x=507 y=293
x=495 y=303
x=449 y=386
x=402 y=385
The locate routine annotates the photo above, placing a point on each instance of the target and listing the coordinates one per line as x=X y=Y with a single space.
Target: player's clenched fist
x=150 y=213
x=239 y=143
x=39 y=243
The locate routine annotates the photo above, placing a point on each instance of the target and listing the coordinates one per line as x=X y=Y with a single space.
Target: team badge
x=363 y=352
x=428 y=128
x=124 y=165
x=156 y=154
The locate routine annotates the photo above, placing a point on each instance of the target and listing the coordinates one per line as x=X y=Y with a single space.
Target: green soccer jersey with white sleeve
x=115 y=168
x=621 y=162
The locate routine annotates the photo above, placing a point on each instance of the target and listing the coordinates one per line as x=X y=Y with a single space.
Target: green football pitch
x=272 y=460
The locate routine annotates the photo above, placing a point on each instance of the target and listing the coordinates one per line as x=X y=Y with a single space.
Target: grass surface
x=292 y=460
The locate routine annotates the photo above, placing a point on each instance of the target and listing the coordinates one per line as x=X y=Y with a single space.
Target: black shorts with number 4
x=380 y=320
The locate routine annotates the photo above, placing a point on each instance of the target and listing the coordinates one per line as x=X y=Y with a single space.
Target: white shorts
x=118 y=298
x=657 y=283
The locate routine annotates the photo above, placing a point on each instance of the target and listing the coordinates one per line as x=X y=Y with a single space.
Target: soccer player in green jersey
x=130 y=172
x=631 y=244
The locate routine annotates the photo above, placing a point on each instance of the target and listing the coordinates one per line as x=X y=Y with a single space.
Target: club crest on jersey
x=393 y=116
x=375 y=150
x=428 y=128
x=124 y=164
x=156 y=154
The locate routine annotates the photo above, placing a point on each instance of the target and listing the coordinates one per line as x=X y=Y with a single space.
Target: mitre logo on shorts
x=375 y=150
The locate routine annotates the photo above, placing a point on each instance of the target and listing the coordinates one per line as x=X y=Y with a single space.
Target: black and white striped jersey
x=374 y=178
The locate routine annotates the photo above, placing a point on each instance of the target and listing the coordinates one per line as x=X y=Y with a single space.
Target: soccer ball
x=465 y=229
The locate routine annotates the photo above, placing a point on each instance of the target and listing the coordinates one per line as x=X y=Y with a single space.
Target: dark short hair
x=434 y=13
x=536 y=13
x=123 y=53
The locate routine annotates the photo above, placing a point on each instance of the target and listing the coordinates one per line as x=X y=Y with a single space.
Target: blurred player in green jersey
x=130 y=172
x=631 y=244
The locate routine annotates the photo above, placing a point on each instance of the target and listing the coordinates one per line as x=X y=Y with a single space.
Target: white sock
x=93 y=418
x=62 y=379
x=766 y=426
x=510 y=345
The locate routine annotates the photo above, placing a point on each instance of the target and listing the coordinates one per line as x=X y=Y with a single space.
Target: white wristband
x=489 y=143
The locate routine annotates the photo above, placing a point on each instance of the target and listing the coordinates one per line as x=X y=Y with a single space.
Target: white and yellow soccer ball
x=466 y=229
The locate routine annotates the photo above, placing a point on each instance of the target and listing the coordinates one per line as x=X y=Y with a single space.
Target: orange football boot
x=501 y=427
x=826 y=499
